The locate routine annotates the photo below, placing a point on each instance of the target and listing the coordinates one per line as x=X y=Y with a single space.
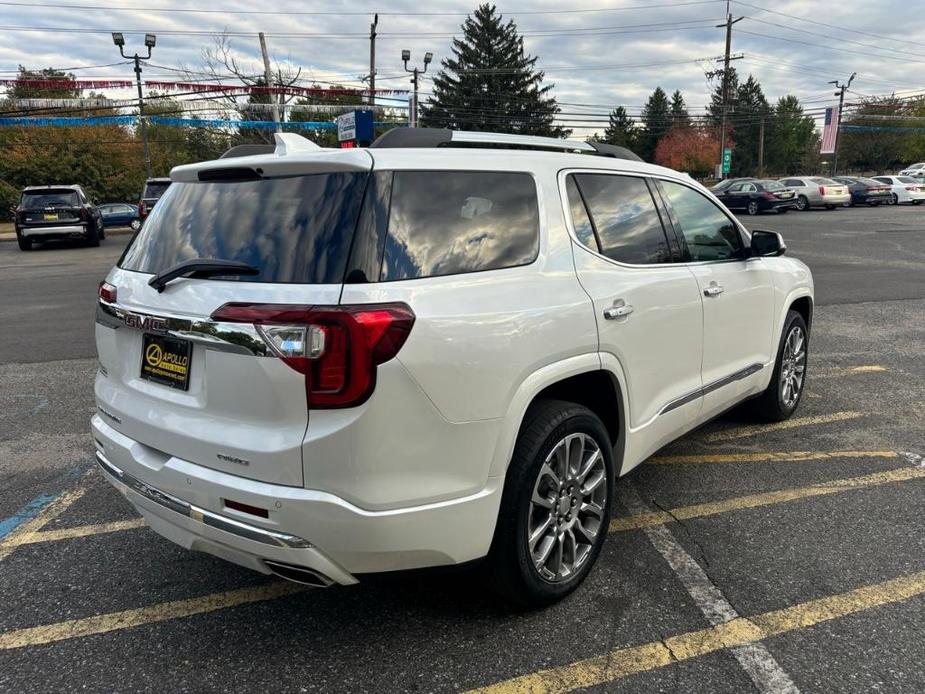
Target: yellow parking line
x=644 y=520
x=848 y=370
x=742 y=432
x=738 y=632
x=82 y=531
x=114 y=621
x=768 y=456
x=27 y=530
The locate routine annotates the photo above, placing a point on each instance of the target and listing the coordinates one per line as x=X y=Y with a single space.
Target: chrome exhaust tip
x=298 y=574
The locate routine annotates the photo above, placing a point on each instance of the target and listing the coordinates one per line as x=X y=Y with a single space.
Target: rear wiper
x=201 y=267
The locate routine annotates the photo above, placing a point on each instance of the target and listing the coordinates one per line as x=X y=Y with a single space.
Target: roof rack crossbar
x=438 y=137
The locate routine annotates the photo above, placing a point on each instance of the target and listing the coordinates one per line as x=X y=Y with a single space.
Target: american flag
x=829 y=131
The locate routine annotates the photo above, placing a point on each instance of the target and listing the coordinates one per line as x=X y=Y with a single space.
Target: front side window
x=453 y=222
x=707 y=231
x=626 y=221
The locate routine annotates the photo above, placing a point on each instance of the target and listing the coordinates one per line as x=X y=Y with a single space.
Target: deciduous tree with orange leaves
x=690 y=149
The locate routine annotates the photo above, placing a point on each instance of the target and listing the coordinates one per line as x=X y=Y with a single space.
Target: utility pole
x=726 y=58
x=841 y=102
x=416 y=73
x=150 y=40
x=268 y=77
x=372 y=60
x=761 y=148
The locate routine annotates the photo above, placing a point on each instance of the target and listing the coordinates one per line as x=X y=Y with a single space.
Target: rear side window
x=625 y=219
x=38 y=200
x=295 y=229
x=452 y=222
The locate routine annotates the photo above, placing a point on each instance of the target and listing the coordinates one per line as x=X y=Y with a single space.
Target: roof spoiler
x=285 y=143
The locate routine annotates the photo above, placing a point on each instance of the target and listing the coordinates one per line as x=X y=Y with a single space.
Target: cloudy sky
x=597 y=53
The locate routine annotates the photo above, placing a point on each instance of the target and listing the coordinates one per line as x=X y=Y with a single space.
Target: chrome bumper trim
x=213 y=520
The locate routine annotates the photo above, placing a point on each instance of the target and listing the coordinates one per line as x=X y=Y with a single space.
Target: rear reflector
x=336 y=348
x=247 y=508
x=107 y=292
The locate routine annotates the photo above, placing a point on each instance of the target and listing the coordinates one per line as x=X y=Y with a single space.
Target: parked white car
x=914 y=170
x=323 y=363
x=817 y=191
x=905 y=188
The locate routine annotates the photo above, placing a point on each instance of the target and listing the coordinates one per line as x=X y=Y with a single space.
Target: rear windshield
x=771 y=185
x=869 y=182
x=38 y=200
x=155 y=189
x=906 y=179
x=295 y=229
x=823 y=181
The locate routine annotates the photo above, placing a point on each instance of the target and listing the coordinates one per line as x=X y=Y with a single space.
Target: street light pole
x=150 y=40
x=416 y=73
x=841 y=102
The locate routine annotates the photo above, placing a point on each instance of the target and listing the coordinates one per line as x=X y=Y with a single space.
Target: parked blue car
x=120 y=214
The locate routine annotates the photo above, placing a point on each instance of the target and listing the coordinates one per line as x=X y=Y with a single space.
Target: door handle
x=713 y=290
x=614 y=312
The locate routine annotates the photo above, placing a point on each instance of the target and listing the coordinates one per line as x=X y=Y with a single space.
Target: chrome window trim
x=570 y=229
x=236 y=338
x=710 y=387
x=201 y=515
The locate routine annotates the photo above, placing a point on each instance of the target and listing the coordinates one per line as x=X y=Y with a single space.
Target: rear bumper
x=185 y=503
x=56 y=231
x=836 y=199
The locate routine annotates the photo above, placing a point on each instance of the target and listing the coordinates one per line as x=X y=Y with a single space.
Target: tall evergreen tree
x=656 y=121
x=621 y=130
x=490 y=83
x=715 y=108
x=679 y=115
x=750 y=108
x=790 y=137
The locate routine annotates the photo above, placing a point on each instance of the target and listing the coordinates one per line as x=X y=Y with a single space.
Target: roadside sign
x=727 y=160
x=356 y=127
x=347 y=126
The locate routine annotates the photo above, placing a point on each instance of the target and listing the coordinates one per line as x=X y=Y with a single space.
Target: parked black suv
x=45 y=213
x=153 y=190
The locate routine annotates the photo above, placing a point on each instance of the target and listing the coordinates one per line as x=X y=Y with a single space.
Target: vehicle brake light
x=768 y=195
x=336 y=348
x=910 y=187
x=84 y=215
x=821 y=190
x=142 y=209
x=107 y=292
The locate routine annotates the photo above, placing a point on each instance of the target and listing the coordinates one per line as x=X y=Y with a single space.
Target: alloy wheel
x=793 y=367
x=802 y=204
x=566 y=512
x=752 y=207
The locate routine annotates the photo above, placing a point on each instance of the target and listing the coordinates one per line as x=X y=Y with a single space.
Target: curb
x=121 y=231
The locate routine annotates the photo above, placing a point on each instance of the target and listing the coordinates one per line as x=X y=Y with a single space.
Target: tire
x=774 y=405
x=523 y=578
x=102 y=232
x=916 y=202
x=894 y=199
x=25 y=243
x=93 y=235
x=752 y=208
x=802 y=203
x=135 y=224
x=874 y=204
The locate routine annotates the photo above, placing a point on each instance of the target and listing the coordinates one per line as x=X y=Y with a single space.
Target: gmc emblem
x=142 y=322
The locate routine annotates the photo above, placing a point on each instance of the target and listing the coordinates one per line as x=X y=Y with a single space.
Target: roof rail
x=437 y=137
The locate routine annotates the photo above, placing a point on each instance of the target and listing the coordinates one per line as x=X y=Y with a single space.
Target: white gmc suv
x=443 y=348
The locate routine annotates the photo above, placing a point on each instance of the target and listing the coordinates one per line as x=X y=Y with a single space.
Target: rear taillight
x=336 y=348
x=911 y=188
x=84 y=215
x=142 y=209
x=19 y=214
x=821 y=190
x=768 y=196
x=107 y=293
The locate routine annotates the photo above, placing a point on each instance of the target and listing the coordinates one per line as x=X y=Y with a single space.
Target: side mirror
x=767 y=243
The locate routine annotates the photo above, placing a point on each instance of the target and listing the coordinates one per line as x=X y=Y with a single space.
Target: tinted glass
x=794 y=183
x=824 y=181
x=154 y=190
x=625 y=218
x=869 y=182
x=884 y=179
x=295 y=229
x=771 y=185
x=707 y=231
x=580 y=220
x=906 y=179
x=36 y=201
x=451 y=222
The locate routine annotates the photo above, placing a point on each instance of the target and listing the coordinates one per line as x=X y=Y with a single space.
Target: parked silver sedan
x=816 y=191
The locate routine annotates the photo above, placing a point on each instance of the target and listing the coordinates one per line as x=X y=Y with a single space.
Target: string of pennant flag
x=202 y=87
x=174 y=121
x=187 y=105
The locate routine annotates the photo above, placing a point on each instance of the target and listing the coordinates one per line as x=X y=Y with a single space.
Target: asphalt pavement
x=743 y=557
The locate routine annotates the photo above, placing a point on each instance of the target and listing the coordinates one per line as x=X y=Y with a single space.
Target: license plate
x=786 y=196
x=166 y=360
x=51 y=217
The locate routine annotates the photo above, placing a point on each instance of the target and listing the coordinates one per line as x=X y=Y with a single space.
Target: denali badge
x=232 y=459
x=142 y=322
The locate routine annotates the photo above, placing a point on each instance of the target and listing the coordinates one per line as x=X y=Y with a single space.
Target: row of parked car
x=754 y=195
x=52 y=212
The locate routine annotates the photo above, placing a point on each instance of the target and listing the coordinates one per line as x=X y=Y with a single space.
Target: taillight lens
x=19 y=214
x=336 y=348
x=107 y=292
x=910 y=188
x=142 y=209
x=84 y=215
x=821 y=190
x=768 y=195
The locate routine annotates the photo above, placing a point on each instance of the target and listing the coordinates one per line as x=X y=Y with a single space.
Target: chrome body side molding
x=710 y=387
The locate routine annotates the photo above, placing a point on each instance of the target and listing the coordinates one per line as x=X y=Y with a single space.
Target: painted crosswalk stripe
x=737 y=633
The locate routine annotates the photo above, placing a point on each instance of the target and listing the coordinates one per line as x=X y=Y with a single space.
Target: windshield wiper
x=201 y=267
